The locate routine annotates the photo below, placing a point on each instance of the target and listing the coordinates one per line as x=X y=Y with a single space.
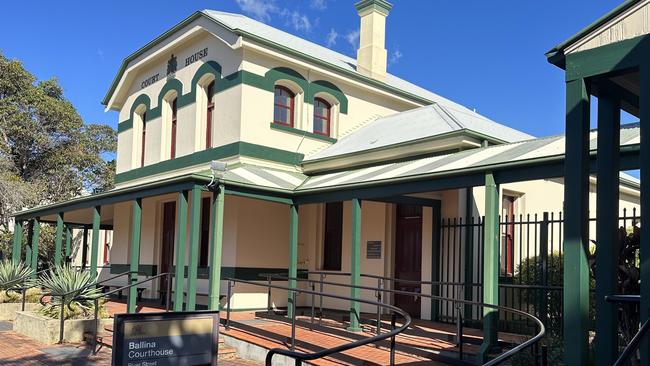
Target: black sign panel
x=373 y=249
x=162 y=339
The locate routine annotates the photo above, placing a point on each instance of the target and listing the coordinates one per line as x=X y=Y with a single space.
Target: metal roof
x=416 y=124
x=512 y=153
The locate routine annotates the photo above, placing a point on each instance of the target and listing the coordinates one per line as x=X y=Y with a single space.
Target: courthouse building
x=245 y=150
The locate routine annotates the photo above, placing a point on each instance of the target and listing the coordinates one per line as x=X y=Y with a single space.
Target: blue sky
x=487 y=55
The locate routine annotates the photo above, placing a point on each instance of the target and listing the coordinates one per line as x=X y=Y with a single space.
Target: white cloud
x=395 y=56
x=353 y=38
x=259 y=9
x=330 y=39
x=300 y=22
x=318 y=4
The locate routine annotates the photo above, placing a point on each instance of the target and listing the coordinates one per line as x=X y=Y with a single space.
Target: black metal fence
x=530 y=267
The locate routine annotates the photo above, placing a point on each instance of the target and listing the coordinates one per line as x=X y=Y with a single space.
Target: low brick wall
x=46 y=330
x=8 y=310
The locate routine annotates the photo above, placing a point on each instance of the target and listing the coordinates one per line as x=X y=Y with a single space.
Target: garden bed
x=8 y=310
x=46 y=330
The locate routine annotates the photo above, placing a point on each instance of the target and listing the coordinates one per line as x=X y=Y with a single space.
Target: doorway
x=408 y=257
x=167 y=245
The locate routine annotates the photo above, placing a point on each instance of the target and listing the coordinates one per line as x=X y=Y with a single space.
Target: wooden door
x=167 y=244
x=408 y=257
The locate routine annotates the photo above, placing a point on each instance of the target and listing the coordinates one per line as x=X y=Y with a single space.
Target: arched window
x=174 y=110
x=284 y=106
x=322 y=117
x=209 y=110
x=143 y=117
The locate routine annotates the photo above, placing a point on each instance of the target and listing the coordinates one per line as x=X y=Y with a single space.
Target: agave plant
x=15 y=274
x=78 y=288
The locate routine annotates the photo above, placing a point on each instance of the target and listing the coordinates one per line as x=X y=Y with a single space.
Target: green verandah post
x=94 y=250
x=293 y=253
x=215 y=247
x=490 y=268
x=16 y=250
x=576 y=220
x=644 y=101
x=58 y=241
x=193 y=265
x=355 y=266
x=609 y=128
x=135 y=253
x=181 y=239
x=36 y=233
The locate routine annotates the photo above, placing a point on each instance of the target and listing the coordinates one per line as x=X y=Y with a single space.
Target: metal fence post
x=543 y=253
x=293 y=320
x=24 y=294
x=313 y=299
x=459 y=329
x=379 y=291
x=168 y=296
x=268 y=294
x=229 y=294
x=392 y=339
x=62 y=319
x=96 y=326
x=320 y=317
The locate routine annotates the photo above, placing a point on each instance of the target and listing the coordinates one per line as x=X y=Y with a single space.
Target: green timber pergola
x=617 y=72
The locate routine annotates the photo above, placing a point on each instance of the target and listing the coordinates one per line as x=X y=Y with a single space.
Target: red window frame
x=173 y=137
x=289 y=108
x=144 y=137
x=209 y=110
x=327 y=119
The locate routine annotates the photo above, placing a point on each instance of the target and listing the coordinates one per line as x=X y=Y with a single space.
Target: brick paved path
x=16 y=350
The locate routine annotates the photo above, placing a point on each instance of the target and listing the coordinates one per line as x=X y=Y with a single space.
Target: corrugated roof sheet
x=416 y=124
x=493 y=155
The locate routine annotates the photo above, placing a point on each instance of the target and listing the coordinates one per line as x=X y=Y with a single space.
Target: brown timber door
x=167 y=254
x=408 y=257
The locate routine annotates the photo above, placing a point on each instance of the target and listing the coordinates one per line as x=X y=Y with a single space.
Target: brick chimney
x=372 y=57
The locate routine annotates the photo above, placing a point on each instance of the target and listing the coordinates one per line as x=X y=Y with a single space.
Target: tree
x=47 y=153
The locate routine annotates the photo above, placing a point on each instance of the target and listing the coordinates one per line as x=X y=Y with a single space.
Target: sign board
x=161 y=339
x=373 y=249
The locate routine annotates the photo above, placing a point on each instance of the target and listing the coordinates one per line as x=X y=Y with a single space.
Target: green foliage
x=33 y=295
x=47 y=153
x=14 y=274
x=66 y=279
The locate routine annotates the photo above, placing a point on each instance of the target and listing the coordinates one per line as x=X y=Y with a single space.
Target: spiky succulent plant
x=78 y=285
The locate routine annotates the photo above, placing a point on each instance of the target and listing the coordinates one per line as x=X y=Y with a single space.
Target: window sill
x=295 y=131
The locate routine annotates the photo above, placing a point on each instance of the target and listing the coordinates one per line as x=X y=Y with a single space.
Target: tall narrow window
x=144 y=137
x=208 y=120
x=284 y=104
x=332 y=243
x=173 y=126
x=205 y=232
x=322 y=118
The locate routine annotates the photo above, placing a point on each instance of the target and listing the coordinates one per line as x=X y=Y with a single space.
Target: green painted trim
x=490 y=267
x=16 y=249
x=205 y=156
x=181 y=243
x=609 y=58
x=136 y=234
x=355 y=266
x=263 y=195
x=381 y=6
x=58 y=241
x=36 y=234
x=216 y=246
x=293 y=254
x=556 y=55
x=195 y=237
x=295 y=131
x=94 y=248
x=143 y=269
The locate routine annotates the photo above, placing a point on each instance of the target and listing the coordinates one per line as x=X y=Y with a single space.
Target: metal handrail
x=509 y=354
x=23 y=289
x=95 y=299
x=631 y=347
x=300 y=356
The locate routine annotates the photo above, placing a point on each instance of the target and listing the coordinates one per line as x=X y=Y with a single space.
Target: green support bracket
x=355 y=266
x=218 y=198
x=94 y=245
x=17 y=249
x=195 y=236
x=136 y=227
x=609 y=127
x=181 y=240
x=490 y=268
x=576 y=230
x=58 y=241
x=645 y=202
x=36 y=234
x=293 y=252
